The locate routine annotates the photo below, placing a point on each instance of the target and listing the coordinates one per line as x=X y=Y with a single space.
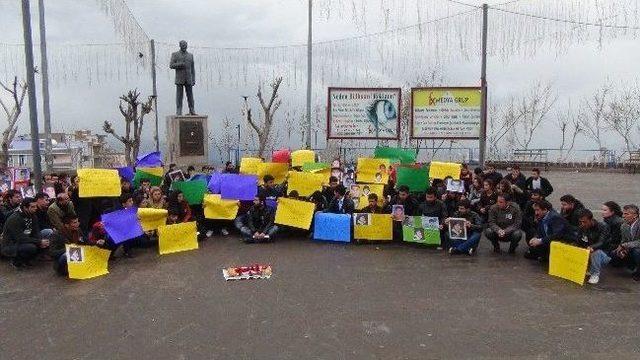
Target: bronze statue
x=182 y=63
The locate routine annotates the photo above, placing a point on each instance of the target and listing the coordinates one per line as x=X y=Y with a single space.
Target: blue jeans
x=46 y=233
x=597 y=259
x=464 y=245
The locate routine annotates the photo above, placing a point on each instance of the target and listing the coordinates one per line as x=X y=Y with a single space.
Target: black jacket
x=434 y=209
x=348 y=206
x=19 y=228
x=554 y=227
x=596 y=237
x=260 y=219
x=411 y=206
x=545 y=186
x=473 y=218
x=615 y=229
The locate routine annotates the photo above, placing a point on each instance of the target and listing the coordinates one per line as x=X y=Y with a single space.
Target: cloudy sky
x=250 y=23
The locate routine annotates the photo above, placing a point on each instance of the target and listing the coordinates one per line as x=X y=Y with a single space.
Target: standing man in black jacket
x=21 y=235
x=535 y=181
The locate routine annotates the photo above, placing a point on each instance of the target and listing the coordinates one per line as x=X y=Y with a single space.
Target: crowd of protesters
x=509 y=209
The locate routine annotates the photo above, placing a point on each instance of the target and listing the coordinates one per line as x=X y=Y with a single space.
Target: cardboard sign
x=373 y=227
x=568 y=262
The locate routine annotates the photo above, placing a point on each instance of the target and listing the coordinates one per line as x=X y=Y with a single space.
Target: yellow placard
x=217 y=208
x=373 y=227
x=86 y=262
x=151 y=219
x=373 y=171
x=360 y=194
x=155 y=171
x=441 y=170
x=568 y=262
x=249 y=166
x=300 y=157
x=294 y=213
x=279 y=172
x=98 y=183
x=177 y=237
x=305 y=183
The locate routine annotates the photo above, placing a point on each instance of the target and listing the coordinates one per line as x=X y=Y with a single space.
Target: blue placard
x=332 y=227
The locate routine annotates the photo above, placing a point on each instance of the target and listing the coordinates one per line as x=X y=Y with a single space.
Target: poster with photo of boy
x=362 y=219
x=456 y=186
x=457 y=229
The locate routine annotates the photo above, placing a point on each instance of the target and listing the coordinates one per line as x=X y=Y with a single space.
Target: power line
x=567 y=21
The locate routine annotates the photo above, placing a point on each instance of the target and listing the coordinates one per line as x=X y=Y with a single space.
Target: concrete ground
x=327 y=301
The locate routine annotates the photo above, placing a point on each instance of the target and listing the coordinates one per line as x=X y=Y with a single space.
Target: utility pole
x=31 y=83
x=483 y=87
x=309 y=63
x=154 y=91
x=44 y=72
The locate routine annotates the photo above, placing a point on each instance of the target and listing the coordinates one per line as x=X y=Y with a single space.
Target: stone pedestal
x=188 y=140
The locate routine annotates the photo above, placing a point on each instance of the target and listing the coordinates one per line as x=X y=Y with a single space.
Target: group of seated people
x=508 y=209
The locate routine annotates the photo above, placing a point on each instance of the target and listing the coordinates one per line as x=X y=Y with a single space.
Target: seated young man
x=432 y=207
x=473 y=223
x=328 y=191
x=569 y=209
x=21 y=236
x=70 y=234
x=629 y=249
x=505 y=220
x=373 y=207
x=258 y=224
x=410 y=206
x=594 y=236
x=340 y=204
x=42 y=204
x=59 y=209
x=550 y=227
x=529 y=222
x=270 y=190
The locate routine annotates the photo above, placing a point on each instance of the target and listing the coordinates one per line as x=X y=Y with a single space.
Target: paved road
x=325 y=301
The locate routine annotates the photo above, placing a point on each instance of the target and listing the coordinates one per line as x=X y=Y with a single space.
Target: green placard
x=309 y=167
x=155 y=180
x=416 y=179
x=193 y=191
x=405 y=156
x=413 y=231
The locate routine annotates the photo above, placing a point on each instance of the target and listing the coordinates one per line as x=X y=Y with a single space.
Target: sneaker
x=224 y=232
x=471 y=252
x=594 y=279
x=450 y=251
x=209 y=233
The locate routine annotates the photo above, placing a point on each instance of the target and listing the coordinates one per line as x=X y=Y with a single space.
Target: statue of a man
x=182 y=63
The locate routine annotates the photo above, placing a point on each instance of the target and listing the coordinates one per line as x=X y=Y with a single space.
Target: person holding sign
x=373 y=207
x=505 y=219
x=432 y=207
x=70 y=234
x=551 y=226
x=594 y=236
x=341 y=204
x=473 y=224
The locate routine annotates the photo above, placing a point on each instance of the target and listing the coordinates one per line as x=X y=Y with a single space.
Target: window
x=21 y=160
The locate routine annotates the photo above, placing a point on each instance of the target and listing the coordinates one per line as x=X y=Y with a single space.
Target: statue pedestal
x=188 y=140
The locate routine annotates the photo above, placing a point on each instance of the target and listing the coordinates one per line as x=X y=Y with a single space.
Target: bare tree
x=12 y=112
x=264 y=128
x=226 y=141
x=501 y=121
x=132 y=118
x=530 y=111
x=570 y=127
x=593 y=113
x=623 y=114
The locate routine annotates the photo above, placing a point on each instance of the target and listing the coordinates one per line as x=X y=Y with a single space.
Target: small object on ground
x=255 y=271
x=209 y=233
x=224 y=232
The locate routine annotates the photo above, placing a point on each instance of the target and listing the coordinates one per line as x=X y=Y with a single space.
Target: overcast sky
x=248 y=23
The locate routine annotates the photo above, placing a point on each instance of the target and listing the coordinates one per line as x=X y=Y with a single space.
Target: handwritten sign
x=568 y=262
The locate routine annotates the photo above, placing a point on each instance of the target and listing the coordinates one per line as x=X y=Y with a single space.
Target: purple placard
x=216 y=181
x=239 y=187
x=122 y=225
x=152 y=159
x=126 y=173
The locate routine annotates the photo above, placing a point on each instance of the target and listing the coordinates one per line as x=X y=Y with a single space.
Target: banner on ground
x=393 y=154
x=239 y=187
x=294 y=213
x=417 y=179
x=193 y=190
x=421 y=230
x=301 y=157
x=279 y=172
x=360 y=194
x=217 y=208
x=445 y=113
x=305 y=183
x=373 y=171
x=122 y=225
x=332 y=227
x=249 y=165
x=177 y=237
x=568 y=262
x=86 y=262
x=363 y=113
x=98 y=183
x=372 y=227
x=151 y=219
x=442 y=170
